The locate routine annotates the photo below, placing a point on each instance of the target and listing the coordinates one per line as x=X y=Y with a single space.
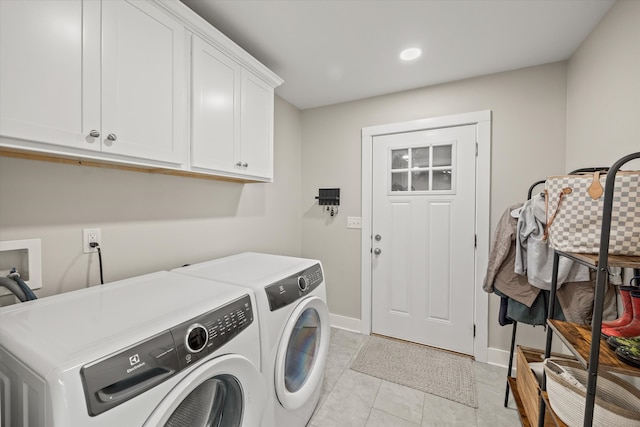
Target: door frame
x=482 y=121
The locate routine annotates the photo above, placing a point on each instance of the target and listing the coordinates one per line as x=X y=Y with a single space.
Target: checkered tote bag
x=574 y=206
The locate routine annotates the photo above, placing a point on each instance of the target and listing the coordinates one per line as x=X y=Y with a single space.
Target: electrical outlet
x=90 y=235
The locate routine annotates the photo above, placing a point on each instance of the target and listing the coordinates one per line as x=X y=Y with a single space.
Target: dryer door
x=226 y=391
x=302 y=353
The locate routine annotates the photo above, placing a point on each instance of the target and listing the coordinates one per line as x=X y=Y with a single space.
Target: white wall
x=528 y=144
x=546 y=120
x=149 y=222
x=603 y=91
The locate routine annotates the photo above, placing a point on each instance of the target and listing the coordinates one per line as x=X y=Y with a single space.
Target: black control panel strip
x=292 y=288
x=113 y=380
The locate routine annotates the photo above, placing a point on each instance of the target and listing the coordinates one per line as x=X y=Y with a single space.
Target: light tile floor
x=353 y=399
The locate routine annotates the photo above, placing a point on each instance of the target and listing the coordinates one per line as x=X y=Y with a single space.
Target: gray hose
x=28 y=293
x=14 y=288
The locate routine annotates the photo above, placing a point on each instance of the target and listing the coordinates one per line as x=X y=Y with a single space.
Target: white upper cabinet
x=49 y=78
x=232 y=116
x=99 y=76
x=108 y=80
x=215 y=111
x=143 y=82
x=256 y=119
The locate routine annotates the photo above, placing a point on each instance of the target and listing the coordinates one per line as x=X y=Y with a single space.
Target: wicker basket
x=617 y=402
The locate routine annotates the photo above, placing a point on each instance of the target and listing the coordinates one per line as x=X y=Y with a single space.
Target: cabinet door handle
x=94 y=133
x=239 y=164
x=112 y=137
x=244 y=165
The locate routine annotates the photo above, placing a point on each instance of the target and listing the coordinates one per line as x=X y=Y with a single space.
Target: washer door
x=225 y=391
x=302 y=353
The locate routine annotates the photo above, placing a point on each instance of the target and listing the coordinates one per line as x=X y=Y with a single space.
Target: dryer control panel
x=292 y=288
x=114 y=379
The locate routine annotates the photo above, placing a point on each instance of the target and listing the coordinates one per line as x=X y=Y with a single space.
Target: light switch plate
x=354 y=222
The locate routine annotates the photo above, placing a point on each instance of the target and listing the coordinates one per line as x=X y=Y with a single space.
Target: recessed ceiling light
x=410 y=54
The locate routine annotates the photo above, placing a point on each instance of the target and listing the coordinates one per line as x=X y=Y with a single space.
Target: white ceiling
x=331 y=51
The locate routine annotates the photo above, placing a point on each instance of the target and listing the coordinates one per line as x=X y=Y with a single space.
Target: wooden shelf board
x=524 y=420
x=556 y=419
x=578 y=338
x=591 y=260
x=79 y=161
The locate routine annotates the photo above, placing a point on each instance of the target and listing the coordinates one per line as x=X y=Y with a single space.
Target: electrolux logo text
x=134 y=361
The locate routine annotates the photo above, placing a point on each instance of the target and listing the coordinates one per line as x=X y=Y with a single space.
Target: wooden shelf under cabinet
x=98 y=163
x=578 y=338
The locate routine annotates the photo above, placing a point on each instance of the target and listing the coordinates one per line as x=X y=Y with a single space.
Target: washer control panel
x=200 y=337
x=290 y=289
x=114 y=379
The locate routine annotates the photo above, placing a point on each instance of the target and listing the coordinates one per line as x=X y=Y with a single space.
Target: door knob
x=378 y=237
x=94 y=133
x=112 y=137
x=377 y=251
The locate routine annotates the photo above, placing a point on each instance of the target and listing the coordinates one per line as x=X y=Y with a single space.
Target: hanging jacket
x=534 y=256
x=500 y=269
x=575 y=298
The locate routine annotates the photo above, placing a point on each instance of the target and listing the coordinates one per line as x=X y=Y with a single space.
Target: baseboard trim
x=348 y=323
x=498 y=357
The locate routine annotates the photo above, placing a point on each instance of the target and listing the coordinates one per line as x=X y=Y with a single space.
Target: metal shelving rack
x=586 y=342
x=514 y=326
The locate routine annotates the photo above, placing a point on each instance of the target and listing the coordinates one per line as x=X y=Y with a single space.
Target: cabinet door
x=256 y=148
x=215 y=99
x=142 y=82
x=50 y=71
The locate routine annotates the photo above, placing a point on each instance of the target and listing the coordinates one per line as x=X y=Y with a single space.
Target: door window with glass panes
x=423 y=169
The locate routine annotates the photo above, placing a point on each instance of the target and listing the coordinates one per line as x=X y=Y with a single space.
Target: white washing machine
x=294 y=327
x=157 y=350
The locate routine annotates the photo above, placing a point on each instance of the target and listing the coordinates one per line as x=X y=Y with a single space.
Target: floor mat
x=420 y=367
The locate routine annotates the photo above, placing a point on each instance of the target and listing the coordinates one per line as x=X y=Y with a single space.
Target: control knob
x=302 y=283
x=197 y=338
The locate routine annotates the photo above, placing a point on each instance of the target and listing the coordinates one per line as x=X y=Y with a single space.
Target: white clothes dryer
x=157 y=350
x=294 y=327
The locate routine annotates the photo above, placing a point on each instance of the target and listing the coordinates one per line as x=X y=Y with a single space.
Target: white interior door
x=423 y=224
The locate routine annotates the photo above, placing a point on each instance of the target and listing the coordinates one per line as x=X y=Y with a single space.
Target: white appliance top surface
x=80 y=326
x=250 y=269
